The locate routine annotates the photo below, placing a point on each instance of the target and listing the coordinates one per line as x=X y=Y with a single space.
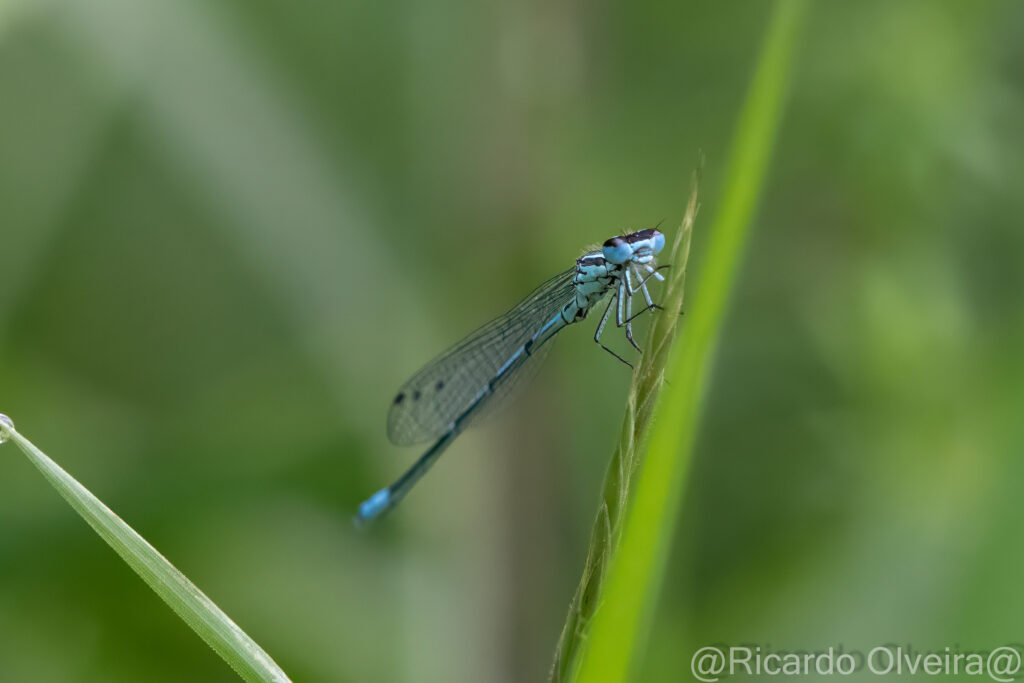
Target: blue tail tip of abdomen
x=373 y=506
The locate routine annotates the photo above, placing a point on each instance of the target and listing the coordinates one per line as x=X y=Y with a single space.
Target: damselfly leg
x=642 y=287
x=600 y=329
x=628 y=322
x=622 y=300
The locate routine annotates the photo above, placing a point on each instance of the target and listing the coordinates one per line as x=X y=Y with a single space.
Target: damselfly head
x=641 y=246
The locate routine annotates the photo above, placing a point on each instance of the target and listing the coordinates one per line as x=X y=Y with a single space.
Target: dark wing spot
x=439 y=386
x=399 y=399
x=416 y=395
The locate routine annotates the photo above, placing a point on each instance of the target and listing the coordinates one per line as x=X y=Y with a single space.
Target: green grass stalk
x=621 y=585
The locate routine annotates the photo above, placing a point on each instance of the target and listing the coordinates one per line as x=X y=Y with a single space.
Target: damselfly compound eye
x=617 y=251
x=659 y=241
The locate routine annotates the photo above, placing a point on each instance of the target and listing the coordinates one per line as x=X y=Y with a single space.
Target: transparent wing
x=443 y=389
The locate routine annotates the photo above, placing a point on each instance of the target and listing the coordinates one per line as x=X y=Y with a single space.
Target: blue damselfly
x=471 y=378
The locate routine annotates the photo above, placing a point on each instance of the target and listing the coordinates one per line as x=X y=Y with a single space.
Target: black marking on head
x=439 y=386
x=615 y=241
x=399 y=399
x=640 y=235
x=416 y=395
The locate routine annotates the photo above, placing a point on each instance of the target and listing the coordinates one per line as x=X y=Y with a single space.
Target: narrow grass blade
x=608 y=651
x=647 y=381
x=222 y=634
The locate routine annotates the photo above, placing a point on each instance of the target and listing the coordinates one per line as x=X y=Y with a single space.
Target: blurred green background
x=230 y=230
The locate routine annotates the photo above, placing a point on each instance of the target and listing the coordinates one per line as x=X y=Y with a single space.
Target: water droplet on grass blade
x=4 y=420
